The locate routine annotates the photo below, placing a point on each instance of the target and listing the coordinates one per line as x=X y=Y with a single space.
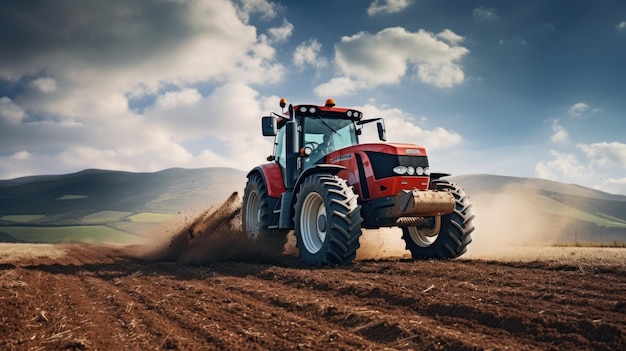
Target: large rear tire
x=256 y=214
x=327 y=221
x=450 y=234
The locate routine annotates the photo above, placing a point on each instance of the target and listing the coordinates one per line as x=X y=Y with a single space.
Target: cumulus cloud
x=368 y=60
x=387 y=6
x=10 y=111
x=577 y=109
x=21 y=155
x=282 y=33
x=44 y=84
x=401 y=128
x=559 y=134
x=87 y=65
x=482 y=14
x=146 y=42
x=450 y=36
x=246 y=8
x=614 y=185
x=186 y=96
x=621 y=25
x=308 y=54
x=562 y=166
x=605 y=154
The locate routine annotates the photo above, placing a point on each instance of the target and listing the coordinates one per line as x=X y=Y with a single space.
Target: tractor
x=324 y=185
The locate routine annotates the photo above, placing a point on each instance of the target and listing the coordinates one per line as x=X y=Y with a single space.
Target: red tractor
x=324 y=185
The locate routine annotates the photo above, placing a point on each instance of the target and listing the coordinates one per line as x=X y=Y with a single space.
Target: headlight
x=410 y=170
x=312 y=110
x=302 y=109
x=400 y=170
x=427 y=171
x=419 y=171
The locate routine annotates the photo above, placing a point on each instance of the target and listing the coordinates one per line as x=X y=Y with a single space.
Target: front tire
x=450 y=234
x=327 y=221
x=256 y=214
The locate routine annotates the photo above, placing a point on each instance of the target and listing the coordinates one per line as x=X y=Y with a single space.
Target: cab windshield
x=325 y=135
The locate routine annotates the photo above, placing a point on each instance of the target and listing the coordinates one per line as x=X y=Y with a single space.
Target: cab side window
x=281 y=153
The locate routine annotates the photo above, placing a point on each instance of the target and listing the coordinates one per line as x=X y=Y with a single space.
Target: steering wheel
x=311 y=145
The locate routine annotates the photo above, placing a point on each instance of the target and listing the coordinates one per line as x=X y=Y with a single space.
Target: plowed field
x=82 y=297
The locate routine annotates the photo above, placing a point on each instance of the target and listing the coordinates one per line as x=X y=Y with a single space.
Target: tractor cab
x=319 y=130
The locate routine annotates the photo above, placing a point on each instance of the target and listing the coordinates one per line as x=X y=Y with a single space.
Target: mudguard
x=273 y=178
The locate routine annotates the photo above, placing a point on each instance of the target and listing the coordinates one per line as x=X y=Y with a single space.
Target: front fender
x=273 y=178
x=319 y=168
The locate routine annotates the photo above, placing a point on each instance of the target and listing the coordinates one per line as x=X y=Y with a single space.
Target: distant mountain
x=485 y=183
x=68 y=196
x=102 y=205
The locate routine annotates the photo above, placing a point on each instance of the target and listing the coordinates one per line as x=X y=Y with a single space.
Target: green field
x=102 y=217
x=150 y=217
x=71 y=234
x=551 y=206
x=22 y=218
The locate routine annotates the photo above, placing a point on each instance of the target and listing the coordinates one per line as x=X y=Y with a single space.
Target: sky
x=532 y=88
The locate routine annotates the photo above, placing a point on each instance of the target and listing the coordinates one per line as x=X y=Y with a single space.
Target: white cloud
x=79 y=115
x=559 y=134
x=577 y=109
x=367 y=60
x=281 y=34
x=21 y=155
x=339 y=86
x=166 y=42
x=187 y=96
x=440 y=74
x=481 y=13
x=308 y=53
x=450 y=37
x=614 y=185
x=562 y=166
x=387 y=6
x=245 y=8
x=10 y=111
x=606 y=154
x=621 y=25
x=44 y=84
x=400 y=128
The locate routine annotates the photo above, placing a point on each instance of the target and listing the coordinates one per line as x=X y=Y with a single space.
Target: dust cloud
x=505 y=221
x=382 y=244
x=511 y=219
x=215 y=235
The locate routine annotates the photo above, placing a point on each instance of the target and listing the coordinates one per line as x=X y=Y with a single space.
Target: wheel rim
x=424 y=237
x=253 y=215
x=313 y=223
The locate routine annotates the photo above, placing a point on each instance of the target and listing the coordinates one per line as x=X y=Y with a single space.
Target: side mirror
x=268 y=125
x=382 y=134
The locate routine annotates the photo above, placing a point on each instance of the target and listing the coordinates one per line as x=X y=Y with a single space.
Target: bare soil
x=84 y=297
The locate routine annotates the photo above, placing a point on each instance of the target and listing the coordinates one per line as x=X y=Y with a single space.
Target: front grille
x=383 y=164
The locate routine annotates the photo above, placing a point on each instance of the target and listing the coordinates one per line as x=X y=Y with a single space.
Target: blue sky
x=526 y=88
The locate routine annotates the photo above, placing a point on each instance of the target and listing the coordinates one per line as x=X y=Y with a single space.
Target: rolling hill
x=112 y=206
x=537 y=210
x=99 y=205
